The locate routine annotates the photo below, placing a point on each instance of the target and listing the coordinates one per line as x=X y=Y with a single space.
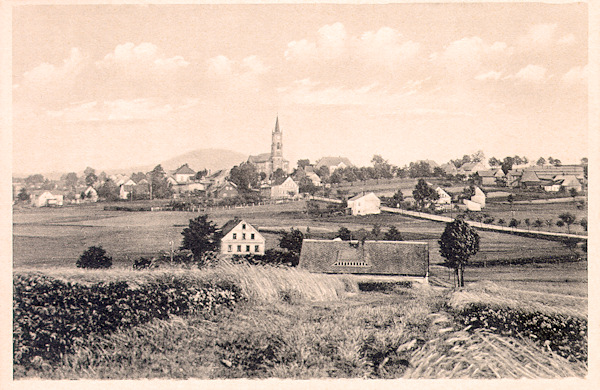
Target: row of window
x=243 y=236
x=239 y=248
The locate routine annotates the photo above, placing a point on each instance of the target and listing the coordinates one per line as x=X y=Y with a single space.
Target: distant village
x=268 y=176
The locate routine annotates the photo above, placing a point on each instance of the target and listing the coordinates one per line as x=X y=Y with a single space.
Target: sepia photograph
x=300 y=191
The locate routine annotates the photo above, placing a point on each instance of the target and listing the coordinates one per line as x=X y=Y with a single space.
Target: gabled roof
x=229 y=225
x=529 y=176
x=281 y=181
x=261 y=158
x=487 y=173
x=331 y=161
x=184 y=170
x=361 y=195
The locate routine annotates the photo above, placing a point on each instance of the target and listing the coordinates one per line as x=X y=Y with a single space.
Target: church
x=270 y=162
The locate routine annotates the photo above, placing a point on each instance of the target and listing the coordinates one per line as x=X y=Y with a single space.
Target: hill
x=212 y=159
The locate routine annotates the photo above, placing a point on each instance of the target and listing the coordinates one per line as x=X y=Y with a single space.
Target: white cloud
x=300 y=50
x=254 y=64
x=531 y=73
x=491 y=75
x=466 y=56
x=141 y=58
x=220 y=66
x=539 y=36
x=568 y=39
x=332 y=40
x=386 y=47
x=576 y=75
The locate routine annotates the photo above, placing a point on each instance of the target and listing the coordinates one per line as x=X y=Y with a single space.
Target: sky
x=123 y=85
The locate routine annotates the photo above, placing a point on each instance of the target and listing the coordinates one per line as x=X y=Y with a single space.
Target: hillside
x=213 y=159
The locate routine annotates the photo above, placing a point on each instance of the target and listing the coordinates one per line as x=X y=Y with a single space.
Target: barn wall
x=374 y=257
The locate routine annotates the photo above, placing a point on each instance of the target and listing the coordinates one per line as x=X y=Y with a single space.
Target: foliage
x=458 y=242
x=564 y=335
x=573 y=192
x=201 y=236
x=514 y=222
x=375 y=232
x=344 y=233
x=144 y=263
x=71 y=180
x=420 y=169
x=393 y=235
x=160 y=187
x=108 y=190
x=568 y=219
x=424 y=194
x=90 y=179
x=94 y=257
x=23 y=195
x=34 y=179
x=49 y=315
x=398 y=197
x=584 y=224
x=292 y=240
x=245 y=176
x=271 y=257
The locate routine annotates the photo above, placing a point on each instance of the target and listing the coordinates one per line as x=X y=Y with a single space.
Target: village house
x=478 y=197
x=90 y=194
x=241 y=238
x=268 y=163
x=126 y=188
x=449 y=169
x=287 y=189
x=491 y=177
x=333 y=163
x=468 y=169
x=224 y=191
x=362 y=204
x=47 y=198
x=184 y=174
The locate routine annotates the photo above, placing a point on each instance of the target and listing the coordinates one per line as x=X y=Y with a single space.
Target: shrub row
x=520 y=261
x=49 y=315
x=564 y=335
x=271 y=257
x=127 y=208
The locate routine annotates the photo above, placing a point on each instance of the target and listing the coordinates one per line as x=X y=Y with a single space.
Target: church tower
x=277 y=149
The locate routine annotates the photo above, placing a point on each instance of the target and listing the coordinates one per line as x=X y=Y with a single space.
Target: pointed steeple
x=276 y=125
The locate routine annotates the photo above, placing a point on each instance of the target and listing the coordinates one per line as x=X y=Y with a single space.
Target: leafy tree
x=423 y=194
x=420 y=169
x=71 y=180
x=568 y=219
x=584 y=223
x=88 y=170
x=34 y=179
x=541 y=161
x=160 y=187
x=458 y=242
x=538 y=223
x=382 y=167
x=511 y=200
x=398 y=197
x=501 y=222
x=514 y=223
x=507 y=164
x=245 y=176
x=376 y=231
x=494 y=162
x=278 y=176
x=303 y=163
x=137 y=177
x=108 y=191
x=23 y=195
x=479 y=156
x=94 y=257
x=393 y=235
x=200 y=174
x=344 y=233
x=90 y=179
x=201 y=236
x=528 y=223
x=573 y=192
x=323 y=172
x=292 y=241
x=307 y=186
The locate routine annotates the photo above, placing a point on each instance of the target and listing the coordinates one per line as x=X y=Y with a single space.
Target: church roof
x=331 y=161
x=261 y=158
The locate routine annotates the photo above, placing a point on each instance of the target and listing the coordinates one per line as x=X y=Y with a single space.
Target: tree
x=34 y=179
x=393 y=235
x=420 y=169
x=160 y=187
x=507 y=164
x=23 y=196
x=303 y=163
x=584 y=223
x=376 y=231
x=573 y=192
x=344 y=233
x=514 y=223
x=278 y=176
x=494 y=162
x=528 y=223
x=292 y=241
x=245 y=176
x=568 y=219
x=398 y=198
x=423 y=194
x=90 y=179
x=382 y=168
x=94 y=257
x=108 y=191
x=201 y=236
x=71 y=180
x=458 y=242
x=541 y=161
x=323 y=172
x=479 y=156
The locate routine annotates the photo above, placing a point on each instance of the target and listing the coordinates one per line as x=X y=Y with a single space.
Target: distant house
x=225 y=190
x=449 y=169
x=217 y=178
x=568 y=182
x=184 y=174
x=491 y=177
x=287 y=189
x=529 y=179
x=126 y=189
x=333 y=163
x=471 y=168
x=91 y=195
x=364 y=204
x=241 y=238
x=444 y=197
x=371 y=257
x=47 y=198
x=472 y=206
x=478 y=197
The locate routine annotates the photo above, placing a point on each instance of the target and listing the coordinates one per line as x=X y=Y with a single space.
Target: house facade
x=225 y=190
x=47 y=198
x=365 y=204
x=241 y=238
x=184 y=174
x=287 y=189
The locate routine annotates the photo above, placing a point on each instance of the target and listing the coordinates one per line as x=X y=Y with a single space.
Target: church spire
x=277 y=125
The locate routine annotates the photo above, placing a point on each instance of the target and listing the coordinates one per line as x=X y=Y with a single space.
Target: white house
x=126 y=189
x=479 y=197
x=287 y=189
x=444 y=197
x=184 y=174
x=47 y=198
x=472 y=206
x=241 y=238
x=91 y=194
x=365 y=204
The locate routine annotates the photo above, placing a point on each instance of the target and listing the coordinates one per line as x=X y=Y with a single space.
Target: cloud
x=576 y=75
x=568 y=39
x=253 y=64
x=386 y=47
x=143 y=57
x=464 y=57
x=220 y=66
x=491 y=75
x=538 y=36
x=531 y=73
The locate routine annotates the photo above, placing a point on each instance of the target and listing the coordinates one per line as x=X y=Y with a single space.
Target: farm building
x=568 y=182
x=287 y=189
x=472 y=206
x=449 y=169
x=225 y=190
x=491 y=177
x=47 y=198
x=471 y=168
x=91 y=195
x=239 y=237
x=444 y=197
x=364 y=204
x=333 y=163
x=478 y=197
x=368 y=257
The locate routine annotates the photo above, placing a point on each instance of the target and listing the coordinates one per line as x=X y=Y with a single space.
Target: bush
x=271 y=257
x=94 y=257
x=144 y=263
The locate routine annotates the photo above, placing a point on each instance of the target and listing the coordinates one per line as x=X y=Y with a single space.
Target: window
x=234 y=236
x=243 y=226
x=243 y=236
x=247 y=248
x=252 y=236
x=255 y=248
x=229 y=249
x=239 y=248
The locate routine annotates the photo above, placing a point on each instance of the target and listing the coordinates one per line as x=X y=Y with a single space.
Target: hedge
x=49 y=314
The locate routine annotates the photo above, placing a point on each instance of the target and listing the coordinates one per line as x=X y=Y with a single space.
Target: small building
x=449 y=169
x=478 y=197
x=530 y=179
x=184 y=174
x=225 y=190
x=47 y=198
x=287 y=189
x=241 y=238
x=471 y=168
x=472 y=206
x=91 y=195
x=333 y=163
x=491 y=177
x=444 y=197
x=368 y=257
x=364 y=204
x=568 y=182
